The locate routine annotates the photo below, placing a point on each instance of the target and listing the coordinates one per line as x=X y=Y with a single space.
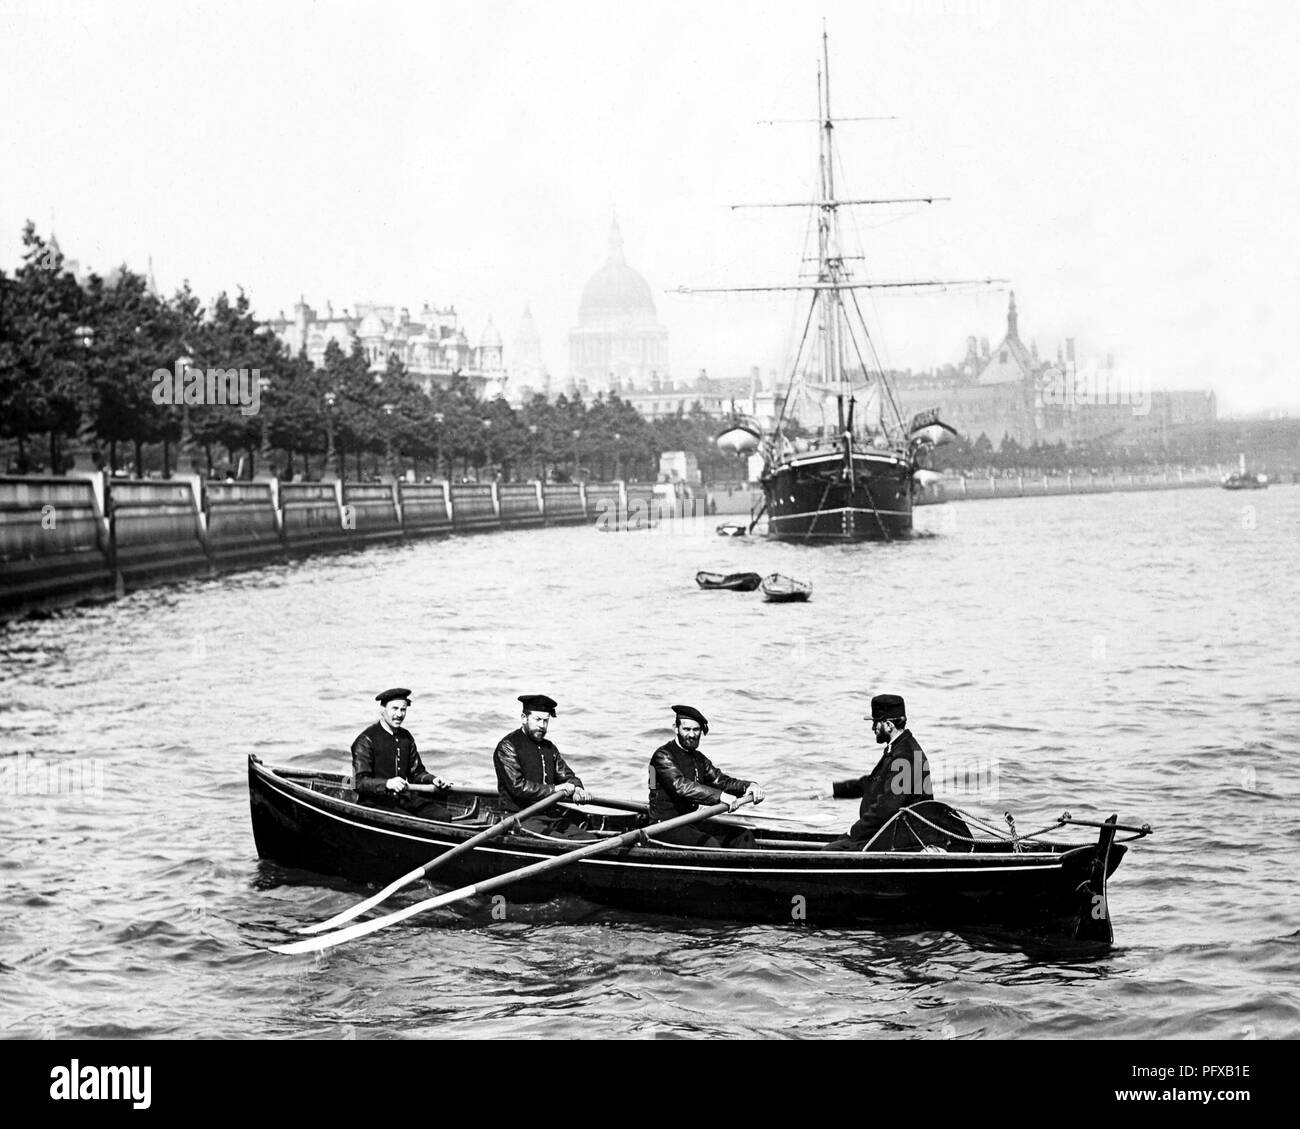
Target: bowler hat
x=886 y=707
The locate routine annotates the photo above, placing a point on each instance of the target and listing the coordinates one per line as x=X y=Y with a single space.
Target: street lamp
x=439 y=418
x=264 y=451
x=532 y=452
x=618 y=457
x=487 y=443
x=388 y=440
x=185 y=448
x=577 y=466
x=330 y=454
x=84 y=336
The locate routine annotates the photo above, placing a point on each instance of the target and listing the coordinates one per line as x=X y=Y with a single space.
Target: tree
x=132 y=339
x=43 y=383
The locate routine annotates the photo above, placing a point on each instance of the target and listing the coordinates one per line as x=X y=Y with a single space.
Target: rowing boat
x=921 y=869
x=780 y=589
x=730 y=582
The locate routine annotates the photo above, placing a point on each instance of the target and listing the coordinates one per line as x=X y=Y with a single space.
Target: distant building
x=719 y=397
x=993 y=392
x=618 y=344
x=434 y=348
x=1009 y=392
x=528 y=375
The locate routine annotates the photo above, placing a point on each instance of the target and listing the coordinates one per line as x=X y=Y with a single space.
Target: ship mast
x=830 y=266
x=833 y=335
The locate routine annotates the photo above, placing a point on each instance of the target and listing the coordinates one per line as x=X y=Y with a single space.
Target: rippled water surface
x=1129 y=653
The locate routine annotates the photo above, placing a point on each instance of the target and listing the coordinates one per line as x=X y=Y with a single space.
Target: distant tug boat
x=1244 y=479
x=856 y=480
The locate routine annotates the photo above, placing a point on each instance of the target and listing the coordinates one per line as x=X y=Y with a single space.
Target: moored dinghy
x=779 y=589
x=728 y=582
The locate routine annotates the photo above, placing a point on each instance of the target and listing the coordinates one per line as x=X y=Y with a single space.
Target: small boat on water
x=1245 y=482
x=780 y=589
x=729 y=582
x=731 y=529
x=1244 y=479
x=922 y=869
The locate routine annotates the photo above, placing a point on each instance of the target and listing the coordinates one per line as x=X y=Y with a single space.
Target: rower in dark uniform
x=529 y=768
x=385 y=760
x=683 y=779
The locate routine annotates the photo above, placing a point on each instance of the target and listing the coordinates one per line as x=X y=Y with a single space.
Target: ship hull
x=811 y=499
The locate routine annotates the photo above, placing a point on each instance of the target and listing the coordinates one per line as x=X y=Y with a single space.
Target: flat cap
x=395 y=692
x=693 y=714
x=538 y=703
x=886 y=707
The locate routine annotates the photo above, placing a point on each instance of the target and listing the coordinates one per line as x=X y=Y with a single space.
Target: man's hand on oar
x=432 y=865
x=600 y=846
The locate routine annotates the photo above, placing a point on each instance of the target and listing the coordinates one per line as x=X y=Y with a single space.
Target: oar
x=432 y=865
x=641 y=805
x=601 y=846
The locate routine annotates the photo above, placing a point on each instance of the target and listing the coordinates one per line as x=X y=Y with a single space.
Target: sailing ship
x=856 y=477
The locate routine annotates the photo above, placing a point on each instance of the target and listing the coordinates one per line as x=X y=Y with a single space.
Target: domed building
x=618 y=344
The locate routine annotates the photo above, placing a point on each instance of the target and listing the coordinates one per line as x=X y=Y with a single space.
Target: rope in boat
x=994 y=832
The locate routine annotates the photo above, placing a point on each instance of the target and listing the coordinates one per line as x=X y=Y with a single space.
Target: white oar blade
x=357 y=910
x=361 y=929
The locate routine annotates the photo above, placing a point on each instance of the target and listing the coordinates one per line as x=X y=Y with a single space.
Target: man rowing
x=529 y=768
x=900 y=778
x=385 y=761
x=682 y=779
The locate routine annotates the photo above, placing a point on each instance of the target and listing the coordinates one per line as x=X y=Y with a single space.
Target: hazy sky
x=1132 y=168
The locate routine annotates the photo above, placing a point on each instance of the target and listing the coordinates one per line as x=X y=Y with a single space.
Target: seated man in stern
x=900 y=778
x=385 y=761
x=529 y=768
x=683 y=779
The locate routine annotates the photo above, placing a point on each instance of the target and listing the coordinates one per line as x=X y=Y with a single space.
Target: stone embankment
x=67 y=539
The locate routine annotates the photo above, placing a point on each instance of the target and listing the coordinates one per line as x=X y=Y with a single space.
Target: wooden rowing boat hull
x=311 y=821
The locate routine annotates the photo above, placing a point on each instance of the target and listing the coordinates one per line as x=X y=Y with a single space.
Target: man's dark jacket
x=378 y=756
x=901 y=778
x=528 y=770
x=681 y=781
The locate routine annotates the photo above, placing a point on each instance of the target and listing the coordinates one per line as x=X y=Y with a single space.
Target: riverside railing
x=953 y=488
x=69 y=538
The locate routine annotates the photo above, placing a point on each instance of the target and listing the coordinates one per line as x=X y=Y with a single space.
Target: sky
x=1131 y=169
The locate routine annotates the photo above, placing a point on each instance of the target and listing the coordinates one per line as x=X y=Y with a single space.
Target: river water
x=1132 y=653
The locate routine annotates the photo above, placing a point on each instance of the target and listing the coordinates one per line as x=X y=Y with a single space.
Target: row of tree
x=1202 y=444
x=79 y=363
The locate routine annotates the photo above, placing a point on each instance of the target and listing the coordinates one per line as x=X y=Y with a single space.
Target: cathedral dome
x=372 y=325
x=616 y=290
